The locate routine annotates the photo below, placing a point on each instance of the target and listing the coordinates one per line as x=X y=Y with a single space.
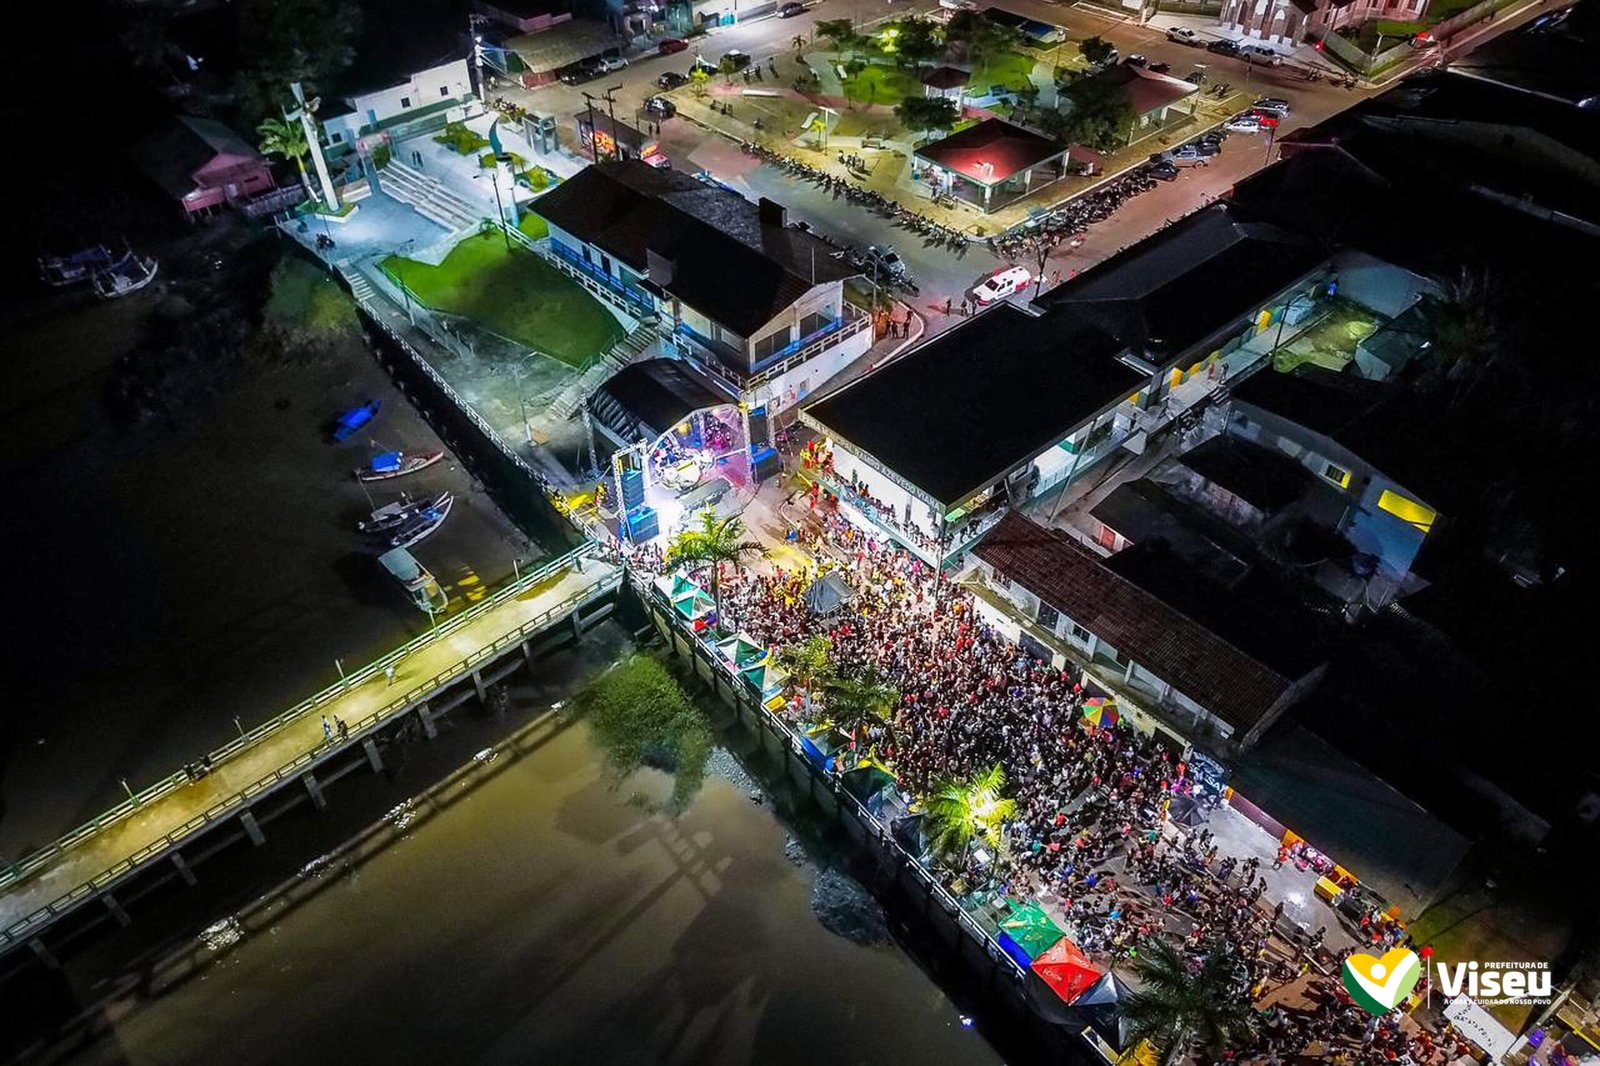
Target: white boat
x=128 y=274
x=415 y=579
x=422 y=525
x=393 y=514
x=397 y=464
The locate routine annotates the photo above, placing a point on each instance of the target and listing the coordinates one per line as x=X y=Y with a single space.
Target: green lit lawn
x=532 y=226
x=881 y=85
x=514 y=293
x=1010 y=69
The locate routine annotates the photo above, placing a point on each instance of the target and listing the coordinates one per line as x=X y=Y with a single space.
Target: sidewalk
x=145 y=835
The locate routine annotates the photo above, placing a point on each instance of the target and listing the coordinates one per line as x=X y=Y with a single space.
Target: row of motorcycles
x=1069 y=221
x=932 y=231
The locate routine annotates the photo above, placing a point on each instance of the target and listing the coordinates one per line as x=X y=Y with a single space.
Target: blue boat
x=346 y=424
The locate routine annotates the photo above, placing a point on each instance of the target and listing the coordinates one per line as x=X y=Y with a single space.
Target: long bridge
x=414 y=682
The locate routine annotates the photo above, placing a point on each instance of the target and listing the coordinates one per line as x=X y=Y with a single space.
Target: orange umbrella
x=1066 y=969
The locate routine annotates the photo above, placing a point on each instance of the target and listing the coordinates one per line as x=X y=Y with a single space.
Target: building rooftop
x=1146 y=91
x=962 y=410
x=991 y=151
x=1267 y=480
x=1556 y=57
x=1186 y=283
x=1204 y=666
x=727 y=262
x=648 y=398
x=946 y=78
x=1143 y=512
x=563 y=44
x=182 y=145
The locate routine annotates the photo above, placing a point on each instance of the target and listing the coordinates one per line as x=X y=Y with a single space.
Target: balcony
x=632 y=301
x=712 y=356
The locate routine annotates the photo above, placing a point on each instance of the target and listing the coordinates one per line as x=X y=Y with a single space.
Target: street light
x=406 y=245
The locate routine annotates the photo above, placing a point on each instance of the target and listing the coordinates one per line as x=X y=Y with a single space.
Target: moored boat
x=128 y=274
x=397 y=464
x=393 y=514
x=422 y=525
x=415 y=579
x=345 y=423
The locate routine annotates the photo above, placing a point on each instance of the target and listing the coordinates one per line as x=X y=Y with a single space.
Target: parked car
x=671 y=80
x=1000 y=284
x=1159 y=68
x=1205 y=147
x=578 y=73
x=791 y=9
x=1184 y=35
x=1260 y=53
x=1249 y=122
x=1163 y=170
x=739 y=59
x=702 y=63
x=887 y=261
x=1188 y=155
x=1271 y=105
x=660 y=107
x=672 y=46
x=1137 y=60
x=1223 y=48
x=611 y=64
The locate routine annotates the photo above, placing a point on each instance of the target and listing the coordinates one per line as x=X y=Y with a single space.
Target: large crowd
x=1090 y=833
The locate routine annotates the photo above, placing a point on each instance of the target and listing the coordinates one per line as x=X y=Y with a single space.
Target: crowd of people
x=1090 y=834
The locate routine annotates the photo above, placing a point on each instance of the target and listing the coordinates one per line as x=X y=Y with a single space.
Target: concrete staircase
x=599 y=372
x=361 y=288
x=429 y=197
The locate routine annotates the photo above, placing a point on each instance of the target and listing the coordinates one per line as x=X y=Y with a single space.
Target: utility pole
x=474 y=23
x=594 y=142
x=610 y=97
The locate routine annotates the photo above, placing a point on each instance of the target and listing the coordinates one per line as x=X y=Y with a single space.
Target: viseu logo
x=1379 y=985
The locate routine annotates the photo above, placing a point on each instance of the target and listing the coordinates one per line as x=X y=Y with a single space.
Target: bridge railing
x=44 y=856
x=401 y=704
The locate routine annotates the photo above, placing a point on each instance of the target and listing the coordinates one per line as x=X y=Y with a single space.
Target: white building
x=422 y=93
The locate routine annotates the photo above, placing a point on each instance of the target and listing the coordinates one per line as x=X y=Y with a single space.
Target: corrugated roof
x=991 y=151
x=1195 y=661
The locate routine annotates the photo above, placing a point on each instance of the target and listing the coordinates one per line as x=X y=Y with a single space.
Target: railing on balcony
x=636 y=303
x=805 y=348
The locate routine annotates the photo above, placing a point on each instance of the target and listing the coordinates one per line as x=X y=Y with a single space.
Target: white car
x=1184 y=35
x=1000 y=284
x=612 y=64
x=1249 y=122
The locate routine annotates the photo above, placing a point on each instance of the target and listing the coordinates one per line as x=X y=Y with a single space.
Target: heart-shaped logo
x=1380 y=985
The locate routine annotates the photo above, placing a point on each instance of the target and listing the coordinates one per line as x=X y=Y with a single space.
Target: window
x=1048 y=616
x=1408 y=510
x=335 y=137
x=1080 y=634
x=405 y=101
x=771 y=344
x=815 y=322
x=444 y=90
x=1336 y=474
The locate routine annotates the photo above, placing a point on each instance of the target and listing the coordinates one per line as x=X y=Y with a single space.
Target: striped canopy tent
x=1032 y=930
x=742 y=651
x=1066 y=969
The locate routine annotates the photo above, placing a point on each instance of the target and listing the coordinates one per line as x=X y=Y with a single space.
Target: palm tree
x=717 y=541
x=855 y=704
x=281 y=137
x=1181 y=1009
x=809 y=662
x=961 y=811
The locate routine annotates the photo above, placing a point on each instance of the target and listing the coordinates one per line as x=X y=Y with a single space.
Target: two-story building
x=202 y=164
x=755 y=306
x=438 y=87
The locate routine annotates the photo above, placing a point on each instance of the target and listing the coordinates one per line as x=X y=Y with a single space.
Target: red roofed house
x=993 y=157
x=1196 y=675
x=202 y=164
x=1153 y=97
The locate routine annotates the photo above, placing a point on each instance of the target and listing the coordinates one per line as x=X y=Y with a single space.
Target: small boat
x=415 y=579
x=62 y=270
x=422 y=525
x=397 y=464
x=393 y=514
x=346 y=423
x=128 y=274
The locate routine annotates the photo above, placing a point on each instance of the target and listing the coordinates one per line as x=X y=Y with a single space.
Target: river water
x=548 y=915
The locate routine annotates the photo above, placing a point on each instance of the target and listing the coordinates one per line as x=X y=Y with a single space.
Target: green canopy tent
x=742 y=651
x=1034 y=931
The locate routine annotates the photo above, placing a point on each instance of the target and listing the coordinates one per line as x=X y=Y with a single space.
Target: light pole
x=399 y=272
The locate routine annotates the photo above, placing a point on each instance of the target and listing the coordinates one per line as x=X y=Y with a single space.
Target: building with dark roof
x=757 y=306
x=992 y=163
x=1554 y=57
x=1209 y=665
x=202 y=164
x=1368 y=441
x=1004 y=404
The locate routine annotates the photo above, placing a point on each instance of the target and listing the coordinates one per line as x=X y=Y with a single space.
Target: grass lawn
x=514 y=293
x=532 y=226
x=881 y=85
x=1010 y=69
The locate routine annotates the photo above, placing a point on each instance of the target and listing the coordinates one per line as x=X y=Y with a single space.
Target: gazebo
x=946 y=82
x=992 y=163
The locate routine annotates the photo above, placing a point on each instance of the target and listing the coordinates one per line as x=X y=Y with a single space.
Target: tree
x=728 y=68
x=927 y=113
x=809 y=662
x=981 y=37
x=917 y=41
x=1096 y=50
x=840 y=32
x=1467 y=342
x=280 y=137
x=697 y=81
x=856 y=703
x=1180 y=1008
x=641 y=717
x=717 y=541
x=960 y=812
x=1093 y=113
x=284 y=41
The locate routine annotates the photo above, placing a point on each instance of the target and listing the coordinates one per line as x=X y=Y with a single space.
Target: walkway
x=91 y=859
